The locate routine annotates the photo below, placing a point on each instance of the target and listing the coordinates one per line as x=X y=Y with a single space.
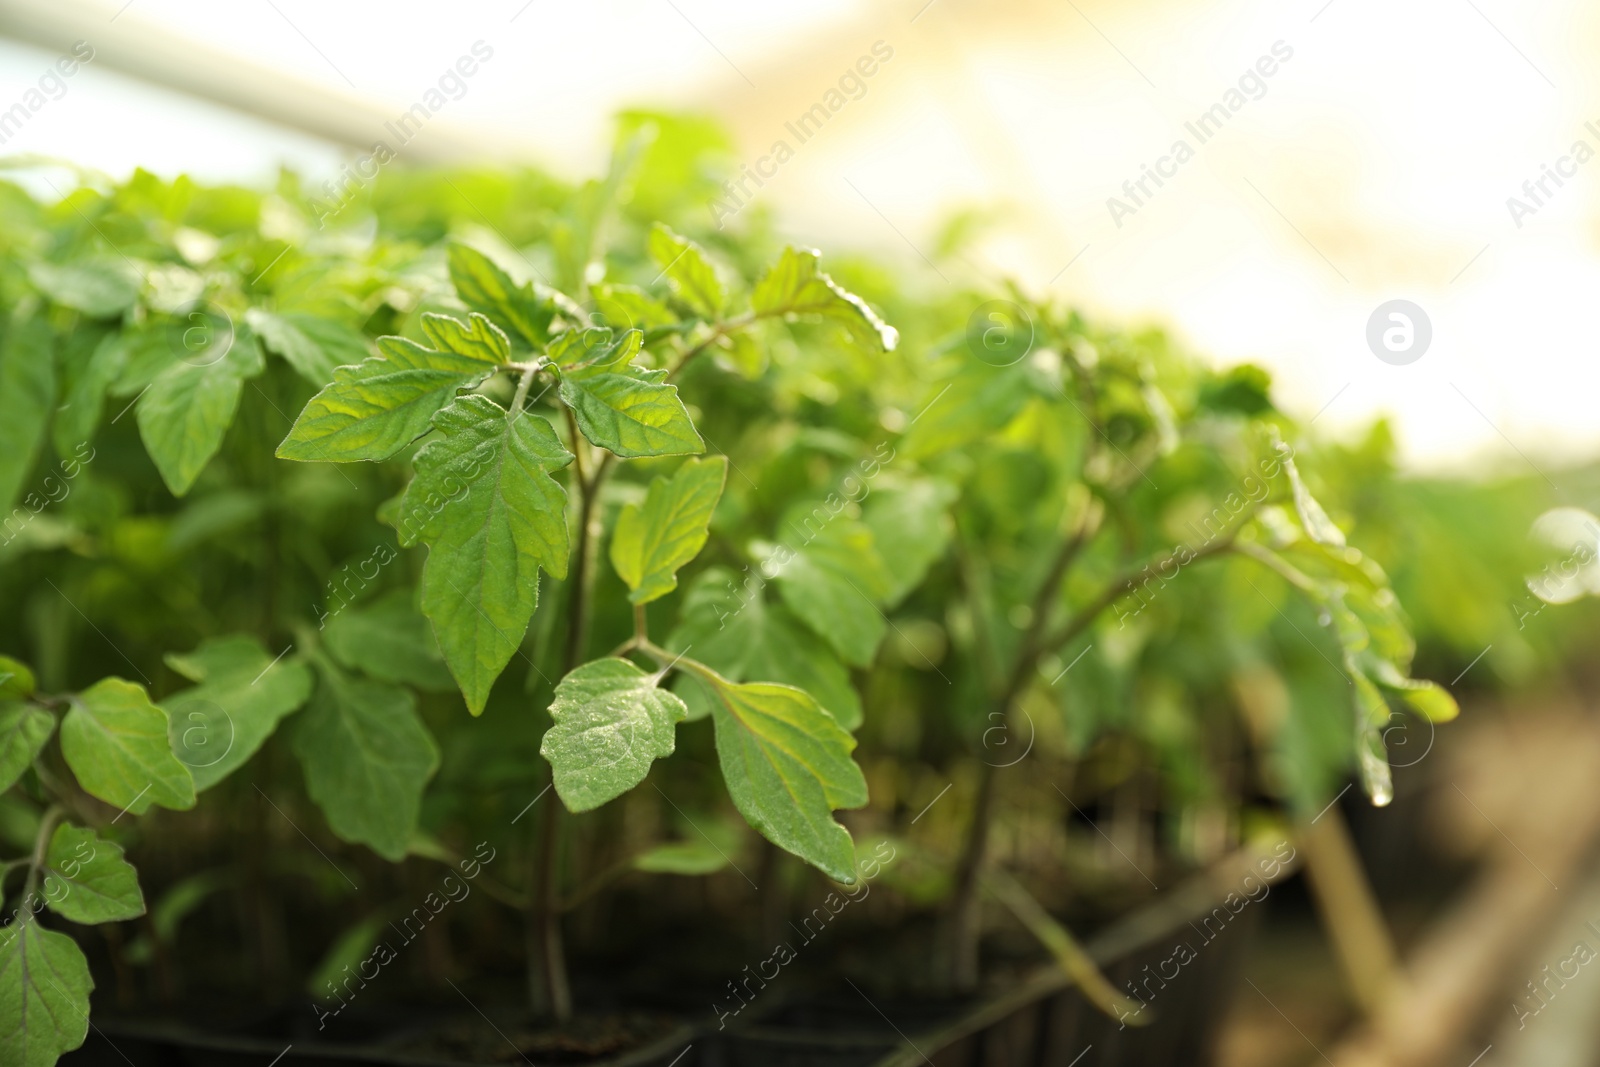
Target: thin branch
x=1030 y=651
x=1119 y=588
x=719 y=331
x=978 y=597
x=41 y=844
x=1073 y=960
x=529 y=372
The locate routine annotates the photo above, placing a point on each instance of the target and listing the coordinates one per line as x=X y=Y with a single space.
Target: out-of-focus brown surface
x=1519 y=794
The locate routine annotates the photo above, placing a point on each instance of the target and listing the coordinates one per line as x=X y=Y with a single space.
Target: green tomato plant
x=1095 y=483
x=485 y=501
x=371 y=468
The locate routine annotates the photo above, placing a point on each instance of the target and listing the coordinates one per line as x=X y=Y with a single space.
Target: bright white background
x=1376 y=166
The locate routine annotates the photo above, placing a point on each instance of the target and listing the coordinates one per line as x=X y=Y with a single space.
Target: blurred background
x=1374 y=163
x=1312 y=161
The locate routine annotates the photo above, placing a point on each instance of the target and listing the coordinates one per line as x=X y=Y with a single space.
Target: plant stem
x=41 y=843
x=547 y=903
x=975 y=584
x=719 y=331
x=1122 y=586
x=966 y=907
x=524 y=383
x=547 y=914
x=1350 y=913
x=1069 y=954
x=578 y=598
x=967 y=904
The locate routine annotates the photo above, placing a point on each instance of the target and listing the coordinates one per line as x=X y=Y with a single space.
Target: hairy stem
x=529 y=372
x=547 y=909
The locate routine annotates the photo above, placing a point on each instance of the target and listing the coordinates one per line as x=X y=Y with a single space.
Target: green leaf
x=477 y=338
x=145 y=353
x=651 y=542
x=624 y=307
x=367 y=758
x=1432 y=702
x=910 y=529
x=585 y=353
x=314 y=346
x=27 y=393
x=977 y=403
x=485 y=504
x=746 y=639
x=787 y=766
x=390 y=640
x=244 y=692
x=115 y=741
x=79 y=414
x=682 y=857
x=87 y=880
x=374 y=409
x=1317 y=525
x=741 y=351
x=631 y=414
x=831 y=575
x=688 y=272
x=345 y=955
x=24 y=729
x=99 y=290
x=1372 y=755
x=16 y=680
x=185 y=413
x=795 y=288
x=611 y=722
x=521 y=311
x=182 y=900
x=44 y=995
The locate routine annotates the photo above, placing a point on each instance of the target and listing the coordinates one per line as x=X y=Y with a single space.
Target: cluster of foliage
x=380 y=468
